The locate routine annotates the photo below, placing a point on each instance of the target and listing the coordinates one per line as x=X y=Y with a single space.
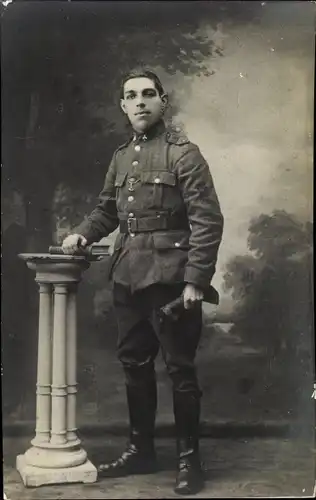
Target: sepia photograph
x=157 y=319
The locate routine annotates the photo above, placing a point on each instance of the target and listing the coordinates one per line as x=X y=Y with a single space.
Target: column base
x=55 y=456
x=37 y=476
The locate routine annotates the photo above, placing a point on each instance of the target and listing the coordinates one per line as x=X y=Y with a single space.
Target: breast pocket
x=120 y=179
x=159 y=184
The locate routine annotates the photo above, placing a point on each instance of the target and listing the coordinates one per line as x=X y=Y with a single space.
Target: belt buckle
x=129 y=223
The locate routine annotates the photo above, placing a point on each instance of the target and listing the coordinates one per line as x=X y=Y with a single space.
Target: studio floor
x=235 y=467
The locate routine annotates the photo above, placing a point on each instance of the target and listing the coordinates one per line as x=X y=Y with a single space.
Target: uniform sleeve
x=103 y=220
x=204 y=213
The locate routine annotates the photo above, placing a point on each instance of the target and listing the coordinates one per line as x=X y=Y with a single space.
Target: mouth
x=143 y=113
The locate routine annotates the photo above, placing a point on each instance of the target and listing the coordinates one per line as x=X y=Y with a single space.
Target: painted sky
x=253 y=118
x=253 y=121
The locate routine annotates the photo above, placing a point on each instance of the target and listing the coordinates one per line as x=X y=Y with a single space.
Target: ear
x=123 y=106
x=165 y=100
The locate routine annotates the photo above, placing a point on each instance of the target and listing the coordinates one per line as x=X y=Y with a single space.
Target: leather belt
x=157 y=222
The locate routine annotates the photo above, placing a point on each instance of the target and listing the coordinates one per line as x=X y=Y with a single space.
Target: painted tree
x=62 y=66
x=272 y=287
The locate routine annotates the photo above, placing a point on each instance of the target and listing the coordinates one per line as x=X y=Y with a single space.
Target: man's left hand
x=191 y=296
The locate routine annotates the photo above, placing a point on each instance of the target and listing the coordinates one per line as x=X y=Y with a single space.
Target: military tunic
x=160 y=191
x=161 y=179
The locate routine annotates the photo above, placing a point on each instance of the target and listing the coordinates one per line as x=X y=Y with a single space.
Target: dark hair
x=140 y=73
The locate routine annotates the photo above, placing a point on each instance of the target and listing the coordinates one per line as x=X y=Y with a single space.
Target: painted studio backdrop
x=240 y=80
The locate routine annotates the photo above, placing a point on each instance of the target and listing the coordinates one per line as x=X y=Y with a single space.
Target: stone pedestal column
x=56 y=455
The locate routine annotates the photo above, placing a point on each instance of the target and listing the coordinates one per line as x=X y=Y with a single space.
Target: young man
x=159 y=191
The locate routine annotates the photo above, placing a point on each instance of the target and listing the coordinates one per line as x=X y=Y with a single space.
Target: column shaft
x=72 y=364
x=44 y=366
x=59 y=382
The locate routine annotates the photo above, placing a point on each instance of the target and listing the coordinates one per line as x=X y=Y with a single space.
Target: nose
x=140 y=102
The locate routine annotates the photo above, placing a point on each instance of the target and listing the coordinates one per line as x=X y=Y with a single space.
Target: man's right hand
x=74 y=241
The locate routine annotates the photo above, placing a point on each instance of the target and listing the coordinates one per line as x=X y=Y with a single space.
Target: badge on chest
x=131 y=183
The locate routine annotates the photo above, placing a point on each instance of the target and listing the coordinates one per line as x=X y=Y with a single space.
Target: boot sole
x=116 y=474
x=186 y=490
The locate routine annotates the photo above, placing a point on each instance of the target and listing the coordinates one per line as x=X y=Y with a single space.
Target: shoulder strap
x=176 y=137
x=173 y=136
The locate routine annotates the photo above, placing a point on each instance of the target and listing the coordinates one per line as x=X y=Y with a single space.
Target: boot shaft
x=142 y=405
x=187 y=408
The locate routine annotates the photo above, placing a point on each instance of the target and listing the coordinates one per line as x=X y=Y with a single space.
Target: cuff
x=196 y=277
x=85 y=230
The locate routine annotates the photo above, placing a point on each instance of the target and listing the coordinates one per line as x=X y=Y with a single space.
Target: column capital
x=60 y=269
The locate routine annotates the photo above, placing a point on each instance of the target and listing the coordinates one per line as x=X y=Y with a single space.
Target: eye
x=130 y=96
x=150 y=93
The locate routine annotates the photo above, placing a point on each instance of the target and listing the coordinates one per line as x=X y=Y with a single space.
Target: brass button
x=132 y=235
x=157 y=180
x=135 y=163
x=137 y=148
x=177 y=244
x=131 y=214
x=130 y=198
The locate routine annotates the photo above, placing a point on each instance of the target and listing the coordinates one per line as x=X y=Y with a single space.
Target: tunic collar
x=157 y=129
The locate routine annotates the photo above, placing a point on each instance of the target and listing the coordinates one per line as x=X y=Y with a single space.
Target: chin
x=141 y=126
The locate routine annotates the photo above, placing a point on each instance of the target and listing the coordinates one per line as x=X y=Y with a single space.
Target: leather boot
x=190 y=478
x=139 y=456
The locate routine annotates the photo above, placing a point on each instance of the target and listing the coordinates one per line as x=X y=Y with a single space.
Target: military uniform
x=159 y=191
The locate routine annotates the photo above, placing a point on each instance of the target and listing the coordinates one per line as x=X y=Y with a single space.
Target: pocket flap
x=118 y=242
x=172 y=239
x=159 y=177
x=120 y=179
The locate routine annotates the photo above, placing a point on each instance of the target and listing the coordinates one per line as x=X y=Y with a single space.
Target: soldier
x=159 y=191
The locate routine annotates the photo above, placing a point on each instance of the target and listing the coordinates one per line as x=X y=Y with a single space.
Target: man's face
x=142 y=103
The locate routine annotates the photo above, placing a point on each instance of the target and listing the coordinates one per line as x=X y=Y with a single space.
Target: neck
x=150 y=131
